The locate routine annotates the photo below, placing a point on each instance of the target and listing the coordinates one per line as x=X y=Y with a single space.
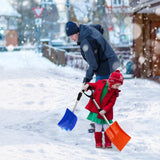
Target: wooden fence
x=74 y=59
x=57 y=56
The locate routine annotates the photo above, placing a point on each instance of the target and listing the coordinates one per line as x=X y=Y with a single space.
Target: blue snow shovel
x=69 y=119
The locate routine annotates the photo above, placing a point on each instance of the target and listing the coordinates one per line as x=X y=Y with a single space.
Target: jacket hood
x=84 y=31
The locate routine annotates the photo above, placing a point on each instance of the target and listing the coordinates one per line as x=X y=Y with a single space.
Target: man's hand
x=85 y=86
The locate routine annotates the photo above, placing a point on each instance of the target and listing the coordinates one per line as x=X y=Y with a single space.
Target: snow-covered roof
x=7 y=10
x=144 y=6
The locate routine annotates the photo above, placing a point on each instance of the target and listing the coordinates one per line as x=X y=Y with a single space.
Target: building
x=120 y=22
x=146 y=35
x=8 y=24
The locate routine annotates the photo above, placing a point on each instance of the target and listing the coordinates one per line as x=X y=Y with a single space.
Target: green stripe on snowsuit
x=104 y=92
x=93 y=116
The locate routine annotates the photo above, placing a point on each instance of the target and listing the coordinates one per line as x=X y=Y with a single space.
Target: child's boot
x=107 y=141
x=98 y=139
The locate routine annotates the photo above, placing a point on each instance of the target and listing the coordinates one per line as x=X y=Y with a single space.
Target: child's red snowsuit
x=107 y=102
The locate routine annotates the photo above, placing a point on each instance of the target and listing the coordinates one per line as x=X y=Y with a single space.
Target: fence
x=74 y=59
x=61 y=57
x=57 y=56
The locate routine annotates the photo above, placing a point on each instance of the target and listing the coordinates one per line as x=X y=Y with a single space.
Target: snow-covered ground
x=34 y=94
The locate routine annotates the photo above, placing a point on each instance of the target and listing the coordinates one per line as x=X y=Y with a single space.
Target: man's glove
x=86 y=80
x=85 y=86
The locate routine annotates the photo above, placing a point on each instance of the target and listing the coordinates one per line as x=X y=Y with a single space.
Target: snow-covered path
x=34 y=96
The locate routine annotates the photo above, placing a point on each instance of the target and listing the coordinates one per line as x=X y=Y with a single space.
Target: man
x=95 y=50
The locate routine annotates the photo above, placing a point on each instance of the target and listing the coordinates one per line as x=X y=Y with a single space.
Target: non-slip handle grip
x=79 y=96
x=90 y=96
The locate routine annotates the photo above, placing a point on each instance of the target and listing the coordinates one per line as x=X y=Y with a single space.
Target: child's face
x=116 y=85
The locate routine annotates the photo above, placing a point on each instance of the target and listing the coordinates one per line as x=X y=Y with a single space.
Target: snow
x=34 y=96
x=7 y=10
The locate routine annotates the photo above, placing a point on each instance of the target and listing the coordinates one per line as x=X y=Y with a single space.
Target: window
x=12 y=24
x=117 y=2
x=157 y=32
x=2 y=33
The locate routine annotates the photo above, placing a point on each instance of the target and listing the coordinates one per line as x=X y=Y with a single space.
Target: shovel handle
x=99 y=109
x=78 y=98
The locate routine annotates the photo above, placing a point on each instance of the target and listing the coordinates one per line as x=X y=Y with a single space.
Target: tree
x=50 y=16
x=26 y=24
x=103 y=18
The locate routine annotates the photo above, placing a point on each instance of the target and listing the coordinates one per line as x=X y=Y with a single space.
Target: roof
x=144 y=6
x=7 y=10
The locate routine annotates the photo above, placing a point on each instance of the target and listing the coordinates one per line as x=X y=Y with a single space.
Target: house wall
x=137 y=43
x=144 y=44
x=11 y=38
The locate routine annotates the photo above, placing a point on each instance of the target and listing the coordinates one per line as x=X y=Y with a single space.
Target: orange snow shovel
x=115 y=133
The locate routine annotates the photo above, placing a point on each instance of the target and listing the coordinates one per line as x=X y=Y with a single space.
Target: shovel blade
x=117 y=136
x=68 y=121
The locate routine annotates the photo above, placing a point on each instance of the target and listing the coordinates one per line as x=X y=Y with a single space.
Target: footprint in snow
x=29 y=102
x=29 y=85
x=41 y=84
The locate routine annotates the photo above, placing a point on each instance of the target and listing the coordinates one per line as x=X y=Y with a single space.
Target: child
x=105 y=94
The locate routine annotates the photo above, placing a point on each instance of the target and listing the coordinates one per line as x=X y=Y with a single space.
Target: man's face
x=74 y=37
